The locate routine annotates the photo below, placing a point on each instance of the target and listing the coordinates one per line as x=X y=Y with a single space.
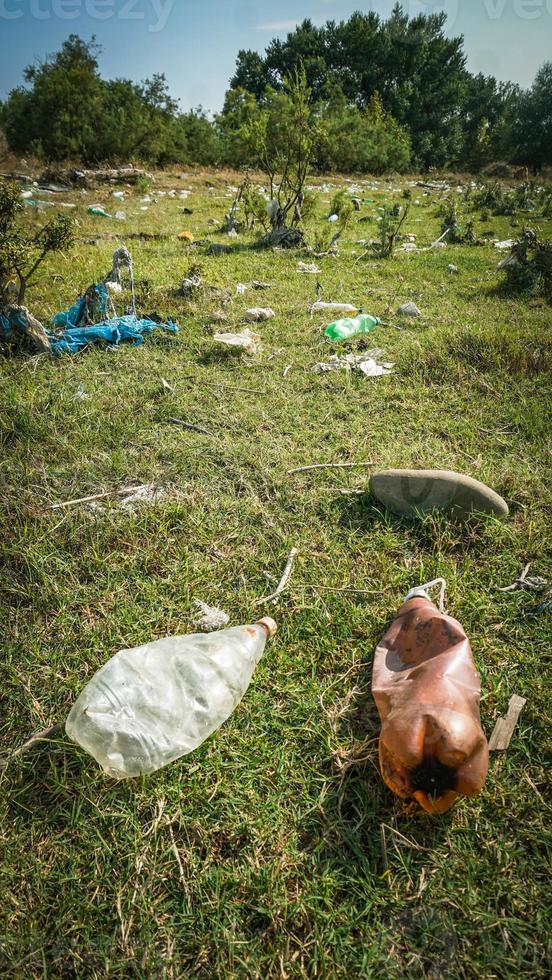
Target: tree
x=531 y=125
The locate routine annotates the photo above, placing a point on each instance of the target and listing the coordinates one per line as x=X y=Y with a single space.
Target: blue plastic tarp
x=111 y=332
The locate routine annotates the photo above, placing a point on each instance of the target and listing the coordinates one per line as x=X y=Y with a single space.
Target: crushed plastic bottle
x=426 y=688
x=153 y=704
x=349 y=327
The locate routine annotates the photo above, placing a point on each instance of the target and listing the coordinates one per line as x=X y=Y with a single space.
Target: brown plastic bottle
x=426 y=689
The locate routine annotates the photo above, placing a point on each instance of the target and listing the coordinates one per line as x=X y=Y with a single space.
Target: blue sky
x=195 y=42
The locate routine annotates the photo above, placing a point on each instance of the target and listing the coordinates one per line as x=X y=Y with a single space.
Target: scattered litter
x=258 y=313
x=120 y=215
x=81 y=394
x=118 y=195
x=356 y=202
x=258 y=284
x=369 y=363
x=504 y=728
x=245 y=340
x=26 y=194
x=186 y=236
x=147 y=494
x=167 y=386
x=159 y=710
x=98 y=211
x=114 y=287
x=452 y=268
x=338 y=307
x=286 y=370
x=349 y=327
x=409 y=309
x=507 y=243
x=333 y=218
x=432 y=715
x=111 y=332
x=190 y=284
x=232 y=233
x=311 y=268
x=186 y=211
x=241 y=288
x=209 y=618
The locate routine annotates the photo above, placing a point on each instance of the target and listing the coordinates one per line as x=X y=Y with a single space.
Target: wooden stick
x=283 y=581
x=326 y=466
x=194 y=428
x=97 y=496
x=504 y=728
x=37 y=737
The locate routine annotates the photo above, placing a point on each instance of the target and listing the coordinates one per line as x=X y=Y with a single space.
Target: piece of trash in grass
x=426 y=688
x=209 y=618
x=241 y=288
x=150 y=705
x=186 y=236
x=218 y=316
x=504 y=728
x=149 y=493
x=243 y=341
x=333 y=218
x=97 y=210
x=120 y=215
x=409 y=309
x=507 y=243
x=258 y=284
x=258 y=313
x=452 y=268
x=369 y=363
x=311 y=269
x=114 y=287
x=414 y=492
x=337 y=307
x=349 y=327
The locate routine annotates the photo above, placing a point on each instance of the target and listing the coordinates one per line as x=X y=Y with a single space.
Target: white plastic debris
x=244 y=341
x=232 y=233
x=209 y=618
x=114 y=287
x=369 y=363
x=311 y=269
x=335 y=307
x=120 y=215
x=147 y=494
x=409 y=309
x=241 y=288
x=508 y=243
x=452 y=268
x=118 y=195
x=333 y=217
x=26 y=194
x=258 y=313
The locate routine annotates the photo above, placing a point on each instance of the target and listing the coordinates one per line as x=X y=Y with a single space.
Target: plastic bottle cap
x=268 y=623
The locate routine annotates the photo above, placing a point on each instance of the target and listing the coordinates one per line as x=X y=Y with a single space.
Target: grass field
x=262 y=854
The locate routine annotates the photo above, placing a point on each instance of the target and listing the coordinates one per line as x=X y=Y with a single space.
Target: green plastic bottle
x=349 y=327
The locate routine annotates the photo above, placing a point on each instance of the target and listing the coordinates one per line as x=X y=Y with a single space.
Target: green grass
x=260 y=855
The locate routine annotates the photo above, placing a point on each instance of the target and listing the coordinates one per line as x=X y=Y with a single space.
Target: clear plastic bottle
x=349 y=327
x=152 y=704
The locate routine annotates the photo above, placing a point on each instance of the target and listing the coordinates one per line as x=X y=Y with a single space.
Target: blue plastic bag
x=111 y=332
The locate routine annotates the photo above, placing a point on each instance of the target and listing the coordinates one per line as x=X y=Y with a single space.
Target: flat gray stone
x=413 y=492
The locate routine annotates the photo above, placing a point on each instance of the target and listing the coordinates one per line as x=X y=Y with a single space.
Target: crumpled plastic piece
x=369 y=363
x=90 y=306
x=110 y=332
x=246 y=340
x=257 y=313
x=209 y=618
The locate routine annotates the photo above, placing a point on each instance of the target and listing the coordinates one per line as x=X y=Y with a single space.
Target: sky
x=195 y=42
